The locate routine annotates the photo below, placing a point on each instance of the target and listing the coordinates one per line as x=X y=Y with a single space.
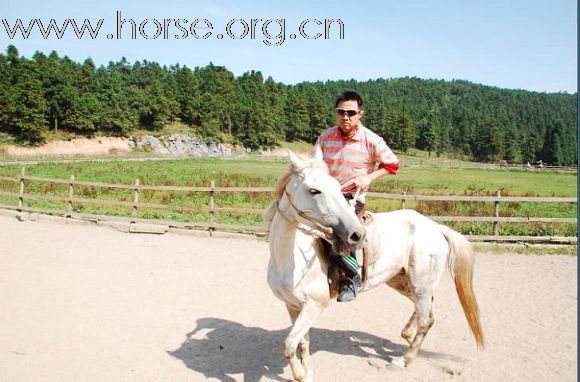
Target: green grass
x=297 y=147
x=198 y=172
x=475 y=181
x=264 y=173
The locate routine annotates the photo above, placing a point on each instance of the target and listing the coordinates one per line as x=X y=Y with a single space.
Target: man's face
x=345 y=122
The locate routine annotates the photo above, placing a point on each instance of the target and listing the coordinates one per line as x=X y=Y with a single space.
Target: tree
x=187 y=94
x=7 y=101
x=28 y=119
x=116 y=114
x=428 y=133
x=317 y=112
x=255 y=122
x=529 y=148
x=552 y=151
x=489 y=144
x=404 y=129
x=275 y=94
x=297 y=118
x=218 y=90
x=153 y=90
x=513 y=149
x=52 y=92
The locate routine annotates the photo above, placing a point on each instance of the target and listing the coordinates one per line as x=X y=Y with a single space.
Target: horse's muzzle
x=356 y=238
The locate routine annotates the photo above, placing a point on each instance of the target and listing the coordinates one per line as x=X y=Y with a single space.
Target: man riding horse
x=352 y=152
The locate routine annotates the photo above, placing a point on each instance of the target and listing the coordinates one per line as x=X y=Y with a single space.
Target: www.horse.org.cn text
x=271 y=32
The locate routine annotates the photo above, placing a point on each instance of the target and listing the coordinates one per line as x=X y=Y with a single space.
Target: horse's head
x=316 y=199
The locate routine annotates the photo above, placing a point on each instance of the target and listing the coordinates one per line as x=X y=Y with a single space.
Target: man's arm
x=363 y=181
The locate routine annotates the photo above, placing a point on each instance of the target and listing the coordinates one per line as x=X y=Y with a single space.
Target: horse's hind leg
x=298 y=340
x=409 y=329
x=423 y=304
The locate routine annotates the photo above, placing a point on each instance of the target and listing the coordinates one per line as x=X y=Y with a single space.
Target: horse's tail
x=460 y=263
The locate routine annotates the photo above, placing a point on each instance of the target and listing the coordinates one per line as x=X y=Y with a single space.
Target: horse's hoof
x=398 y=362
x=407 y=337
x=308 y=378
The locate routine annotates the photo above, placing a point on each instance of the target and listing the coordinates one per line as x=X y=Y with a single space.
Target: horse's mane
x=283 y=181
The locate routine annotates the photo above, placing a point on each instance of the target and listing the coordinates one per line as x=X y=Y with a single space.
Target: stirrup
x=348 y=290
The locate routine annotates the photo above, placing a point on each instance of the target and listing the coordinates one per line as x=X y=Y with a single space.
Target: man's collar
x=356 y=136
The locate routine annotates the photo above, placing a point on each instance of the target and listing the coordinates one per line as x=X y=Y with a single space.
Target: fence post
x=212 y=205
x=21 y=192
x=496 y=214
x=403 y=201
x=71 y=191
x=135 y=201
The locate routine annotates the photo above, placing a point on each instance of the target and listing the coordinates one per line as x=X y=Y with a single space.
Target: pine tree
x=428 y=133
x=297 y=118
x=489 y=145
x=26 y=118
x=187 y=94
x=218 y=92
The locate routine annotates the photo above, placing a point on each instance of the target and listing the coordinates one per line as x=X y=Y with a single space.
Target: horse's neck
x=293 y=245
x=295 y=272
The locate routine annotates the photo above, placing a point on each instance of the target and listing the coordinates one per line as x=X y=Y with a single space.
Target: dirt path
x=77 y=146
x=82 y=303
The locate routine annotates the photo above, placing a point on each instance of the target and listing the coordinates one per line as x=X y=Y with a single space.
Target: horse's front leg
x=302 y=321
x=304 y=344
x=304 y=354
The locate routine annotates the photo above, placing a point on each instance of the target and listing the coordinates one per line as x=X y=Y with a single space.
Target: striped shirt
x=349 y=158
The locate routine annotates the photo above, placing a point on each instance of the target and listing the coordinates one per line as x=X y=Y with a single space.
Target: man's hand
x=361 y=181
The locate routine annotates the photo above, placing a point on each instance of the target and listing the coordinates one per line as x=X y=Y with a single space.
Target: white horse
x=406 y=250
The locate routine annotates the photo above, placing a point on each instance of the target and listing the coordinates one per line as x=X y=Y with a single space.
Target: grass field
x=245 y=173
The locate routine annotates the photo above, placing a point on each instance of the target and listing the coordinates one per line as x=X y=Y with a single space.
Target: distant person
x=528 y=165
x=352 y=153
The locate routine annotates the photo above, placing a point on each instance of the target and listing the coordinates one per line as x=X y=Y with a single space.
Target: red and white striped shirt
x=348 y=158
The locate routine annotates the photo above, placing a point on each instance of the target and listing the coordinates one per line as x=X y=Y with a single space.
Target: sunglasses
x=349 y=113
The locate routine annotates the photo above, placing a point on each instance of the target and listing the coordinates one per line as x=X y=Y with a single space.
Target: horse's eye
x=314 y=191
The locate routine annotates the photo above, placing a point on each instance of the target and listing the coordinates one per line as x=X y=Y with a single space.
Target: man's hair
x=349 y=96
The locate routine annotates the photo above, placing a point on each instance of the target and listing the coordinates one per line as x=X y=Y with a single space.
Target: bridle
x=315 y=229
x=311 y=226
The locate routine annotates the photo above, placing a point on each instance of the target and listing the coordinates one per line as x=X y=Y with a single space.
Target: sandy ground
x=77 y=146
x=86 y=303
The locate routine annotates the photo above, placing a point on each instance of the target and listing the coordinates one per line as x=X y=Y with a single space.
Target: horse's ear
x=295 y=160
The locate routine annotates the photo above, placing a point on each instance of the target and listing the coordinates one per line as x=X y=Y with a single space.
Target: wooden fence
x=70 y=200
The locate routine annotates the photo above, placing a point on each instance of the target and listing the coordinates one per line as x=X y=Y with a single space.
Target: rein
x=316 y=229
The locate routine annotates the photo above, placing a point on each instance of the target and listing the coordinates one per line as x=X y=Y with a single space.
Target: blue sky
x=514 y=44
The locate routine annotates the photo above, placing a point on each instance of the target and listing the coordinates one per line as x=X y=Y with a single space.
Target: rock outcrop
x=181 y=145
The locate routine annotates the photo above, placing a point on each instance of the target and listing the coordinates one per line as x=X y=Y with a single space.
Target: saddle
x=335 y=272
x=366 y=217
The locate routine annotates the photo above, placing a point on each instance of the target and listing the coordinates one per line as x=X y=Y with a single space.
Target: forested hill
x=47 y=93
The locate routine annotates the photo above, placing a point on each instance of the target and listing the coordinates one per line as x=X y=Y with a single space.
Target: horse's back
x=412 y=238
x=407 y=221
x=424 y=231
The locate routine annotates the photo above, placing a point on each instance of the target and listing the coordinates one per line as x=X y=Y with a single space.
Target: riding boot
x=349 y=288
x=352 y=284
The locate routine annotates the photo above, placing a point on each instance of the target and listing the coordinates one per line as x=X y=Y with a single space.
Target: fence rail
x=136 y=204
